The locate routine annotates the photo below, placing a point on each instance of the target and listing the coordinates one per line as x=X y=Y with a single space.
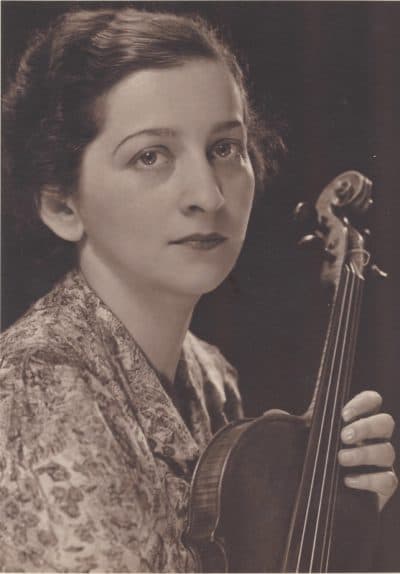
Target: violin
x=253 y=509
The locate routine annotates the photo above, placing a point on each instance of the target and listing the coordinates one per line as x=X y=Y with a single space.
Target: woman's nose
x=202 y=189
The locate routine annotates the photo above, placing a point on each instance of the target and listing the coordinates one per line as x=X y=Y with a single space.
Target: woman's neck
x=158 y=321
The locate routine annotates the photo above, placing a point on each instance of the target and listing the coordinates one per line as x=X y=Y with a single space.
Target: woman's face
x=166 y=188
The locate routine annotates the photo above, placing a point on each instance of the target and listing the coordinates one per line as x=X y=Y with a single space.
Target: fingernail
x=351 y=480
x=345 y=456
x=348 y=435
x=348 y=414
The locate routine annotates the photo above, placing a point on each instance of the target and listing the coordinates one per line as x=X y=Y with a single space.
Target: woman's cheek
x=244 y=186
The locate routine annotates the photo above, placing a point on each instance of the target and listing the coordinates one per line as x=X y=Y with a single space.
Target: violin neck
x=311 y=529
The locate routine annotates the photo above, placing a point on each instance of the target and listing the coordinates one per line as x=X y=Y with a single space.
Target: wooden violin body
x=243 y=493
x=268 y=494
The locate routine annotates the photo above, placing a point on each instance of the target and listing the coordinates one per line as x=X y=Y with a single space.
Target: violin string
x=349 y=367
x=350 y=347
x=334 y=433
x=330 y=451
x=332 y=379
x=336 y=315
x=332 y=447
x=323 y=377
x=361 y=251
x=349 y=344
x=330 y=440
x=327 y=427
x=335 y=471
x=344 y=367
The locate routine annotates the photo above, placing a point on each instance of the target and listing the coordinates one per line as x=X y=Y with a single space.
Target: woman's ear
x=61 y=215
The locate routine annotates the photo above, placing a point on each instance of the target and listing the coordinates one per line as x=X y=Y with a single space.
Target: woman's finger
x=378 y=426
x=362 y=404
x=382 y=483
x=380 y=454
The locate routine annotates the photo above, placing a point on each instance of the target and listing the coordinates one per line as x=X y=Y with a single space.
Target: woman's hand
x=372 y=427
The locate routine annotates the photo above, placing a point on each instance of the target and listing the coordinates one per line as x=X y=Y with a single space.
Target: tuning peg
x=378 y=272
x=310 y=240
x=366 y=235
x=317 y=243
x=305 y=214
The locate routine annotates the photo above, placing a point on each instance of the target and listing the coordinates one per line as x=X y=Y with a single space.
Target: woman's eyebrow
x=150 y=131
x=228 y=125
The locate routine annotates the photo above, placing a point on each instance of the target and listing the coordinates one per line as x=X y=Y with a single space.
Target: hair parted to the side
x=49 y=108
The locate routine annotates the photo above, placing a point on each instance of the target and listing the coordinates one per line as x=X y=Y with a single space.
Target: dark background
x=331 y=71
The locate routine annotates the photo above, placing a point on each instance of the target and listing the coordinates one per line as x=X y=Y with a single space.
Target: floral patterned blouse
x=96 y=454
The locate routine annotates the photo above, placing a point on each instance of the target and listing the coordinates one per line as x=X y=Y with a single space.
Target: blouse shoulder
x=47 y=328
x=41 y=369
x=63 y=327
x=40 y=350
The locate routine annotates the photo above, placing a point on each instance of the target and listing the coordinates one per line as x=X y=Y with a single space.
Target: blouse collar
x=166 y=432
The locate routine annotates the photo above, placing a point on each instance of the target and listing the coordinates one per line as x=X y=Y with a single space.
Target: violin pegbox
x=346 y=196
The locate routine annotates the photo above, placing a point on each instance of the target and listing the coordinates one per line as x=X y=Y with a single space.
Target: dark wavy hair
x=49 y=109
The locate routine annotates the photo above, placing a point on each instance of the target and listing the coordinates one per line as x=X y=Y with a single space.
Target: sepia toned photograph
x=200 y=347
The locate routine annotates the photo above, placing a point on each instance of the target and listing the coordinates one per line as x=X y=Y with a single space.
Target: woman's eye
x=227 y=150
x=148 y=158
x=151 y=157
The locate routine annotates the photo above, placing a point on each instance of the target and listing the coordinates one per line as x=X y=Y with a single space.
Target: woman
x=133 y=135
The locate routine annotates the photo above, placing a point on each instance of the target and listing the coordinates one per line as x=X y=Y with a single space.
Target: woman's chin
x=197 y=273
x=206 y=281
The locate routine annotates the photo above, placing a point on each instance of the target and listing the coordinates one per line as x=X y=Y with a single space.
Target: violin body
x=240 y=511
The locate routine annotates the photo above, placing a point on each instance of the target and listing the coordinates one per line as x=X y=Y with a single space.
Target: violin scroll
x=345 y=198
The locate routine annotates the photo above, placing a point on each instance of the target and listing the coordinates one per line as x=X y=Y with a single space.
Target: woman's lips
x=202 y=241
